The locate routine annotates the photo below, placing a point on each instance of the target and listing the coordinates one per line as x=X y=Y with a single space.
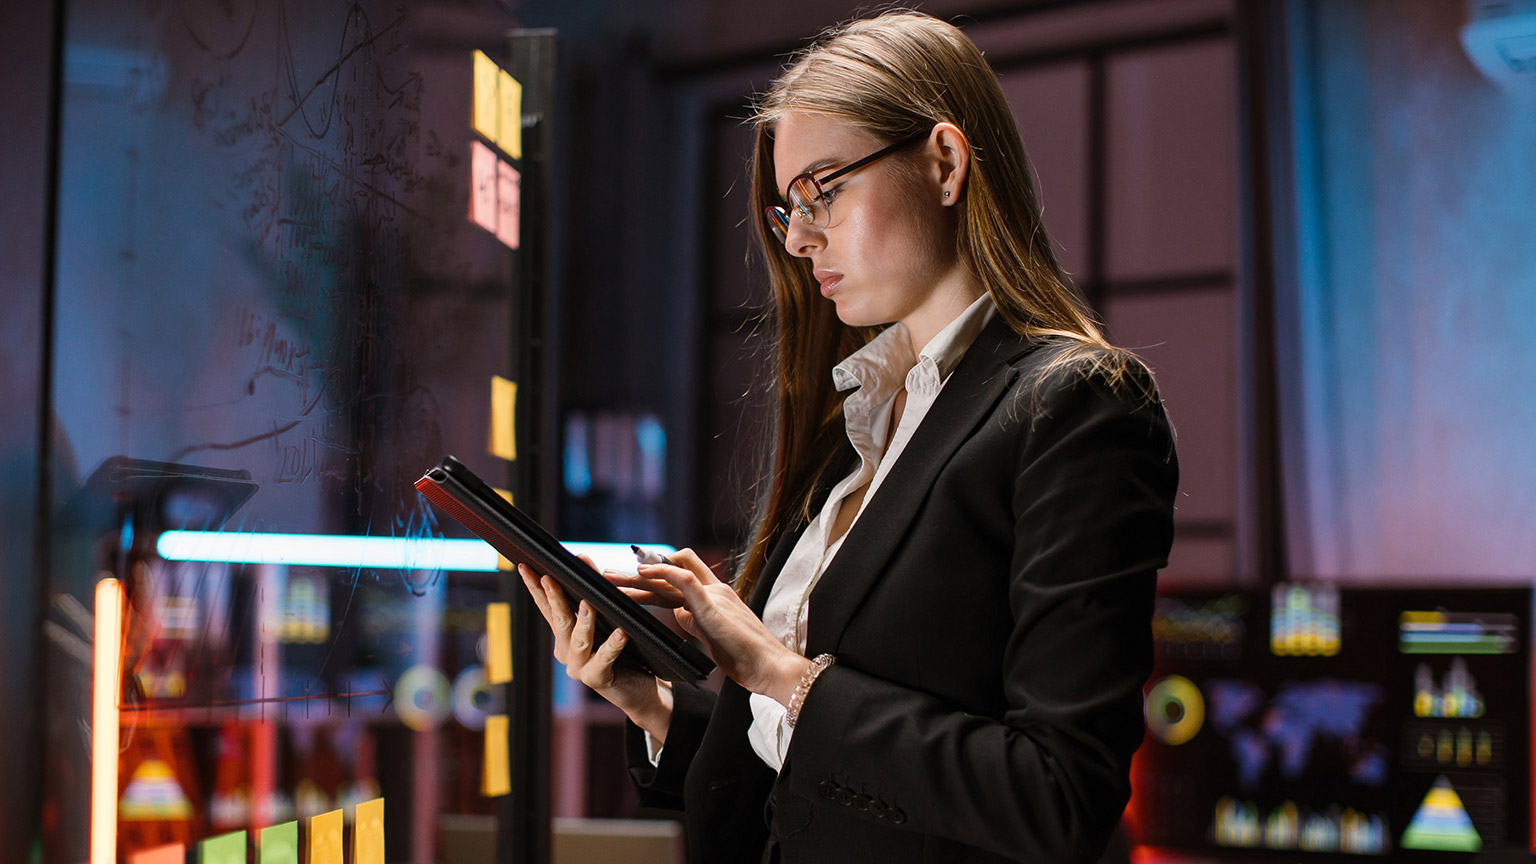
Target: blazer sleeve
x=661 y=785
x=1092 y=493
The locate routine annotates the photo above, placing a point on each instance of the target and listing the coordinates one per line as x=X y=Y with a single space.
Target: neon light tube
x=384 y=553
x=105 y=685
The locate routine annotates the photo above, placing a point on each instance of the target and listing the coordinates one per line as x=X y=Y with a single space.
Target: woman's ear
x=952 y=154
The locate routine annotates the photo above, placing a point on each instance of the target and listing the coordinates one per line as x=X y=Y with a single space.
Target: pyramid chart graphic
x=154 y=795
x=1442 y=823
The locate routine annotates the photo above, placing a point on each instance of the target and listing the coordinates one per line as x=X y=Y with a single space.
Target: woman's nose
x=801 y=239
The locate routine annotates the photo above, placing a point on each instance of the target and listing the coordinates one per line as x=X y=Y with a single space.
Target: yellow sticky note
x=498 y=643
x=503 y=441
x=483 y=181
x=511 y=97
x=175 y=853
x=368 y=833
x=325 y=838
x=501 y=560
x=280 y=844
x=487 y=103
x=496 y=776
x=508 y=204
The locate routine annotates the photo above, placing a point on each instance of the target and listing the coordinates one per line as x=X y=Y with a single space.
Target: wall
x=1409 y=395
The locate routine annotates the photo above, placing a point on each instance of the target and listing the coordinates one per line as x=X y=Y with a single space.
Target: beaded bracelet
x=797 y=699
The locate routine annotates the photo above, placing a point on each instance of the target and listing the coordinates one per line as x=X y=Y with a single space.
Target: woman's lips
x=829 y=280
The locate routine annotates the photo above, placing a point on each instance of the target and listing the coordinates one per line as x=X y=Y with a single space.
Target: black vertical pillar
x=30 y=75
x=524 y=823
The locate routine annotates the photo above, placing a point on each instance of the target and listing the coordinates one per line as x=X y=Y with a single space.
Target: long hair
x=894 y=76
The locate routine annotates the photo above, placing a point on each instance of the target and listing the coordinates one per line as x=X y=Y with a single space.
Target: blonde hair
x=896 y=76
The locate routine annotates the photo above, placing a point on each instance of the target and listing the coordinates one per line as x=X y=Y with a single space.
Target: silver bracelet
x=797 y=699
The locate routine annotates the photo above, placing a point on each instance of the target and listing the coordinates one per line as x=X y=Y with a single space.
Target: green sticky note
x=224 y=849
x=280 y=844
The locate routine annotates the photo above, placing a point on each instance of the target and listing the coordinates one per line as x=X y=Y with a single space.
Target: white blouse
x=875 y=372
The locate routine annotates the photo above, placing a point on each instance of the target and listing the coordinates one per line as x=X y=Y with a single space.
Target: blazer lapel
x=979 y=380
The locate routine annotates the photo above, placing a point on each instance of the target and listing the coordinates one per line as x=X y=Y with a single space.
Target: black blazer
x=990 y=614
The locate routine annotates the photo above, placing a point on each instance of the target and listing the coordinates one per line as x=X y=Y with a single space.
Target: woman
x=937 y=639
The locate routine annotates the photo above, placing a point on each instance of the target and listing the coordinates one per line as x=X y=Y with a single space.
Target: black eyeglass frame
x=778 y=216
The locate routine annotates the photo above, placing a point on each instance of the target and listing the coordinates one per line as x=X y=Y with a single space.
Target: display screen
x=1338 y=723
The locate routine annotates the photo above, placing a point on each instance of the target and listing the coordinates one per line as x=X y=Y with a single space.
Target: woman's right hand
x=646 y=699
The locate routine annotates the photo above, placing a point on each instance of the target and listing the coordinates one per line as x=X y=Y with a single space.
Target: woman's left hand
x=740 y=642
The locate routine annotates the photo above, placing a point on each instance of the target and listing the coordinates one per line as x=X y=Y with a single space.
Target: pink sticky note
x=482 y=186
x=175 y=853
x=507 y=203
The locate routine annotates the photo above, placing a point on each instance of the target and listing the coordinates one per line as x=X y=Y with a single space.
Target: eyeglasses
x=812 y=202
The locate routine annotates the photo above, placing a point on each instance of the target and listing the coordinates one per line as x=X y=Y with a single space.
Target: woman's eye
x=828 y=194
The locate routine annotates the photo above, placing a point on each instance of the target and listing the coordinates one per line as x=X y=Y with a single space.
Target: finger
x=685 y=621
x=531 y=582
x=690 y=559
x=682 y=581
x=687 y=560
x=581 y=634
x=587 y=560
x=559 y=610
x=608 y=652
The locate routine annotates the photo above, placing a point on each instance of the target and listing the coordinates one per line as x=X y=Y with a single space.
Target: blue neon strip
x=385 y=553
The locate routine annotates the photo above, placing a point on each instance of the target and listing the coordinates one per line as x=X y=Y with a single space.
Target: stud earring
x=946 y=193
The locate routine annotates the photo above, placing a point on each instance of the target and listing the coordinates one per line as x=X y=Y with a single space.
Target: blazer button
x=827 y=789
x=897 y=815
x=878 y=809
x=862 y=802
x=844 y=797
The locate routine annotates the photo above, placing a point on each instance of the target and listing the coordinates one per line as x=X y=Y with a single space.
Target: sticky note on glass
x=487 y=102
x=325 y=838
x=508 y=194
x=501 y=560
x=510 y=93
x=503 y=439
x=225 y=849
x=496 y=774
x=176 y=853
x=498 y=643
x=368 y=833
x=482 y=186
x=280 y=844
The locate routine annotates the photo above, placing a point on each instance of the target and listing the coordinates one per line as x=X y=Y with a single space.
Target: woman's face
x=890 y=247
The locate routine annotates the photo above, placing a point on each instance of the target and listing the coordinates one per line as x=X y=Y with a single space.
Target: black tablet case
x=521 y=540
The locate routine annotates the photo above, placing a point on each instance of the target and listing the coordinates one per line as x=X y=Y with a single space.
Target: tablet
x=521 y=540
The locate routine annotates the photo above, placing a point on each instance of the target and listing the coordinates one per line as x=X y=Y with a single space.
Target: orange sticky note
x=498 y=643
x=368 y=833
x=175 y=853
x=510 y=97
x=503 y=438
x=482 y=186
x=487 y=102
x=280 y=844
x=496 y=774
x=508 y=197
x=325 y=838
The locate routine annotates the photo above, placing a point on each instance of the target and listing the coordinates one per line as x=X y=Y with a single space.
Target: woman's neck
x=949 y=298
